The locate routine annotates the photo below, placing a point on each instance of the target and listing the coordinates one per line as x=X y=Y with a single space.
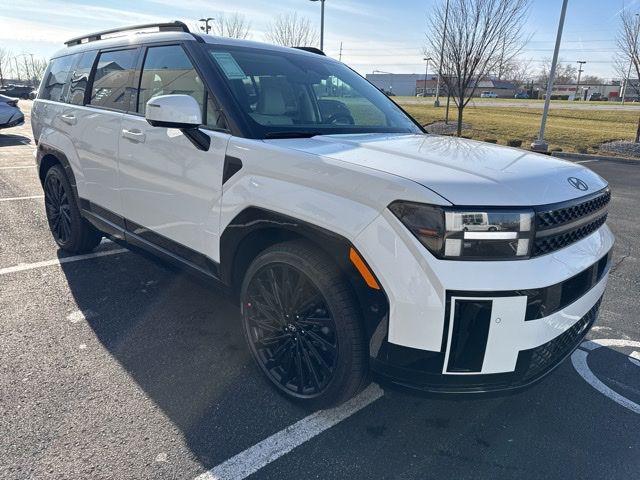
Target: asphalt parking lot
x=113 y=366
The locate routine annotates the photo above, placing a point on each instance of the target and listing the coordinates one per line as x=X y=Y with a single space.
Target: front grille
x=555 y=218
x=535 y=362
x=549 y=244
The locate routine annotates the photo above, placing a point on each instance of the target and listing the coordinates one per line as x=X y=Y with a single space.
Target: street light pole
x=206 y=21
x=581 y=63
x=321 y=23
x=540 y=145
x=633 y=55
x=426 y=76
x=436 y=103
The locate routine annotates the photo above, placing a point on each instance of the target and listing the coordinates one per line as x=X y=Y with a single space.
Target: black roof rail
x=174 y=26
x=315 y=50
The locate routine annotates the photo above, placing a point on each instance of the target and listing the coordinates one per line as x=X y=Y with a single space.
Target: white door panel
x=96 y=141
x=168 y=185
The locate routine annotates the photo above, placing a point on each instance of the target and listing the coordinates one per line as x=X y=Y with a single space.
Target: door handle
x=134 y=135
x=69 y=119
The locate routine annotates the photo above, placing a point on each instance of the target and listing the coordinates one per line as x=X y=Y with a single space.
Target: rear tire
x=71 y=232
x=303 y=327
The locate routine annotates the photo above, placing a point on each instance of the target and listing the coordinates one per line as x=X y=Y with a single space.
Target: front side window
x=56 y=81
x=80 y=78
x=294 y=93
x=112 y=78
x=167 y=70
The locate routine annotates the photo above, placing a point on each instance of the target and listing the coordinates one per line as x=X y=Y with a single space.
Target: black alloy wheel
x=303 y=325
x=70 y=230
x=56 y=201
x=291 y=330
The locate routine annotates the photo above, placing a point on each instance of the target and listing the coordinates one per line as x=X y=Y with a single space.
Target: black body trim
x=43 y=151
x=132 y=233
x=471 y=320
x=232 y=165
x=542 y=302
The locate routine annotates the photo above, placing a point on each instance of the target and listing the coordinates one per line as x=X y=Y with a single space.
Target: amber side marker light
x=358 y=262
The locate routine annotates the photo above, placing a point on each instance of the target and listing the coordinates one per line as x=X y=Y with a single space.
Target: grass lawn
x=570 y=130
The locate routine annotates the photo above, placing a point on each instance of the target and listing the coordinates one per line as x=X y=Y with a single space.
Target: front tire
x=303 y=326
x=71 y=232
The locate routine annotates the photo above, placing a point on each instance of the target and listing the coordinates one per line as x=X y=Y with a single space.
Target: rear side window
x=56 y=81
x=80 y=78
x=168 y=71
x=112 y=78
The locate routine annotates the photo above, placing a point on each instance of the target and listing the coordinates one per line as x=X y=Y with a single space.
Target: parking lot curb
x=576 y=157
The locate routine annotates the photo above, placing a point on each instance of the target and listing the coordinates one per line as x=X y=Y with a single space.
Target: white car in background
x=488 y=95
x=10 y=114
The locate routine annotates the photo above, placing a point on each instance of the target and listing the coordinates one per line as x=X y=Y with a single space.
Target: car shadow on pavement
x=10 y=140
x=181 y=341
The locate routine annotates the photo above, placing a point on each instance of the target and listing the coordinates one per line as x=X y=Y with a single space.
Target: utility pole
x=540 y=145
x=321 y=23
x=340 y=56
x=580 y=63
x=426 y=75
x=207 y=27
x=436 y=102
x=633 y=56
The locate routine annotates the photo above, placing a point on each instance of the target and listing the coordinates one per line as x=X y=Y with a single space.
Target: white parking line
x=282 y=442
x=47 y=263
x=11 y=199
x=19 y=167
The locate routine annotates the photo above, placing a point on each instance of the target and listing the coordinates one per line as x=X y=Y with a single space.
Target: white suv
x=355 y=242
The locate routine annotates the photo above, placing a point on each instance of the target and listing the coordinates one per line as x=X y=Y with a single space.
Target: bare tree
x=480 y=34
x=565 y=73
x=290 y=30
x=233 y=26
x=516 y=71
x=5 y=57
x=627 y=63
x=37 y=67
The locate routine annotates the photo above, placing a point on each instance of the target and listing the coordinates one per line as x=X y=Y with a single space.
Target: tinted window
x=55 y=84
x=293 y=92
x=111 y=81
x=168 y=71
x=80 y=78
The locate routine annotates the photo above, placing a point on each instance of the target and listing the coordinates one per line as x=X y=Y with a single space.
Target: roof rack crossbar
x=174 y=26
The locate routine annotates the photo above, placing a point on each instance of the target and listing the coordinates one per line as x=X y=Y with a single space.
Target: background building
x=397 y=83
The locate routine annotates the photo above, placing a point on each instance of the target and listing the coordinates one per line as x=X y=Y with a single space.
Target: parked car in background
x=521 y=96
x=16 y=91
x=488 y=95
x=33 y=94
x=10 y=114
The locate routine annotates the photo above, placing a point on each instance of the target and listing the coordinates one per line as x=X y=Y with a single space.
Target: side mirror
x=178 y=111
x=173 y=111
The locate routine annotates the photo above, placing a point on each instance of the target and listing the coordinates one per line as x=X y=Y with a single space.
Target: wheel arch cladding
x=255 y=229
x=48 y=157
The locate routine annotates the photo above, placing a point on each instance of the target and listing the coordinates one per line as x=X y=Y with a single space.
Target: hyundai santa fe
x=356 y=243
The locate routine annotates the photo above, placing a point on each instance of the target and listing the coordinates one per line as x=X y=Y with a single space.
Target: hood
x=464 y=172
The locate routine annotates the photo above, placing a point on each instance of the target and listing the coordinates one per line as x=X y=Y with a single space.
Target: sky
x=384 y=35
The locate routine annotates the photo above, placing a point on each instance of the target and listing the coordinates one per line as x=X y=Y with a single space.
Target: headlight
x=469 y=233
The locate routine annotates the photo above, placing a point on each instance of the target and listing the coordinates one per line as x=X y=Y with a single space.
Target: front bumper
x=457 y=326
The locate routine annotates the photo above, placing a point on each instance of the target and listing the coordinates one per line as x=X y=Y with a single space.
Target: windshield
x=294 y=94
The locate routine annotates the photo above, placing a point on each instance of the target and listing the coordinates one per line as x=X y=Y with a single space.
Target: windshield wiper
x=292 y=134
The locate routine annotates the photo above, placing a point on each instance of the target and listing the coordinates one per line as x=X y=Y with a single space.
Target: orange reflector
x=358 y=262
